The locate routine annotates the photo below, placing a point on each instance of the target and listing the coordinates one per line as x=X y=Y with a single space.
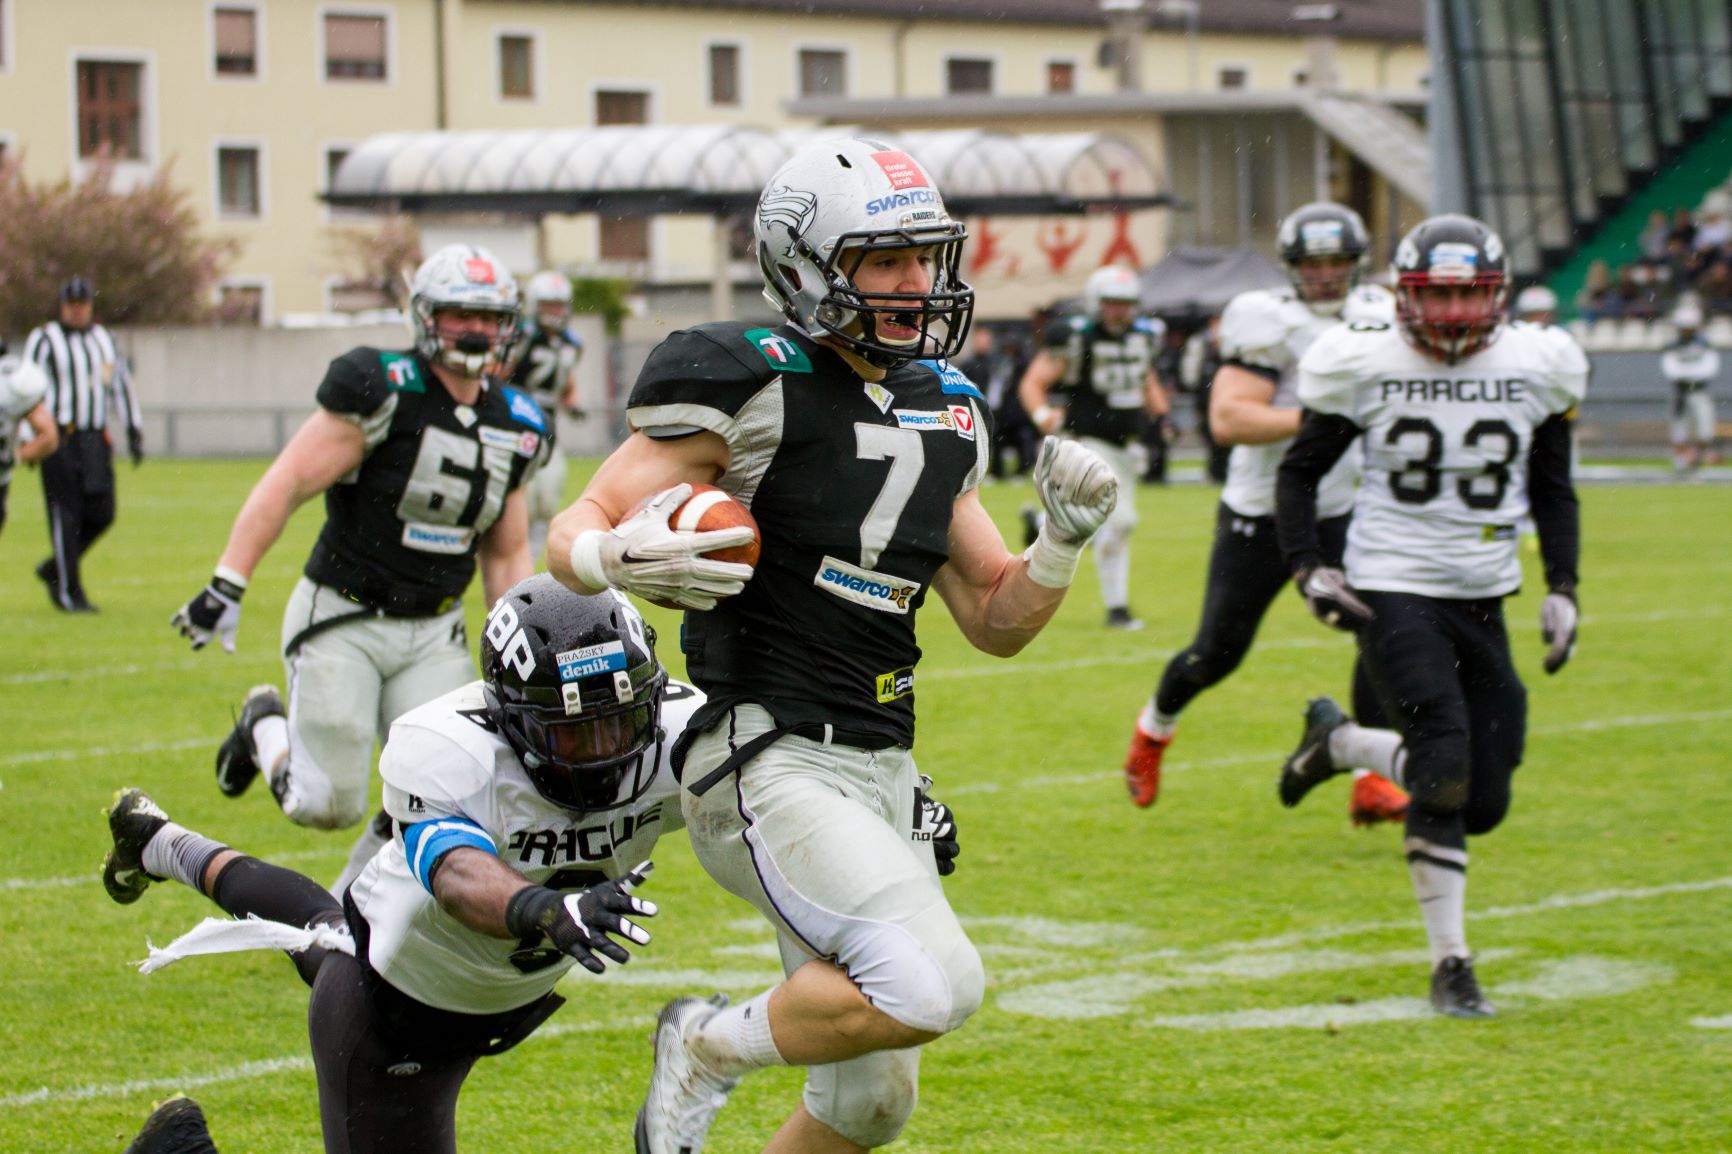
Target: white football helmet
x=1536 y=298
x=1113 y=282
x=836 y=197
x=1687 y=317
x=462 y=276
x=23 y=384
x=548 y=288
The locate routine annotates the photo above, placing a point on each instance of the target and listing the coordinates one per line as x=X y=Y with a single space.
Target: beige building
x=255 y=102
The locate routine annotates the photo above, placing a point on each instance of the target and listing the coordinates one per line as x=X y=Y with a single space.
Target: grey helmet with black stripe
x=1323 y=229
x=836 y=199
x=574 y=686
x=463 y=276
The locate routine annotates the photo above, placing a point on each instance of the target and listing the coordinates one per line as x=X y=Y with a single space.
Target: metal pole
x=1449 y=184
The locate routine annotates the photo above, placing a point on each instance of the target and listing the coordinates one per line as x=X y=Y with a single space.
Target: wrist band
x=586 y=559
x=1051 y=563
x=224 y=573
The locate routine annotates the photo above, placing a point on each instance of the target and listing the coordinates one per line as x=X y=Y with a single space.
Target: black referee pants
x=78 y=485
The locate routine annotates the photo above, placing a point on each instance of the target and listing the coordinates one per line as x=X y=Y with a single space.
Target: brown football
x=711 y=508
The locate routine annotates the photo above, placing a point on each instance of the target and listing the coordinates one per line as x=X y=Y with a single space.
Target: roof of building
x=1362 y=19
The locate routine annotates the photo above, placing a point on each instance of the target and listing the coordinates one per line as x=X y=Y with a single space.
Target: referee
x=84 y=368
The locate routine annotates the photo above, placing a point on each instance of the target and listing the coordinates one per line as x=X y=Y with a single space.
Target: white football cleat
x=684 y=1095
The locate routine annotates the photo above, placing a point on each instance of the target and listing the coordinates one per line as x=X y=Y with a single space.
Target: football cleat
x=1143 y=766
x=1376 y=799
x=237 y=761
x=1455 y=992
x=1310 y=765
x=1123 y=618
x=177 y=1126
x=684 y=1096
x=133 y=820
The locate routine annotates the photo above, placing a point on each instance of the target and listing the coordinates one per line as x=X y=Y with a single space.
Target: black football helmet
x=1451 y=286
x=574 y=685
x=1323 y=229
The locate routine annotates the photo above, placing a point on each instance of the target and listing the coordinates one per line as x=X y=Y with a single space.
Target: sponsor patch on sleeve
x=525 y=410
x=402 y=373
x=953 y=380
x=575 y=664
x=779 y=351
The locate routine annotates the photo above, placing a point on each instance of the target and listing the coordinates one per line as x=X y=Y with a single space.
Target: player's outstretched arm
x=44 y=436
x=323 y=451
x=488 y=896
x=1240 y=412
x=1001 y=601
x=1036 y=385
x=503 y=550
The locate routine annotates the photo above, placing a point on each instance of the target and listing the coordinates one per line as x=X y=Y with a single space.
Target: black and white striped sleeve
x=38 y=347
x=125 y=399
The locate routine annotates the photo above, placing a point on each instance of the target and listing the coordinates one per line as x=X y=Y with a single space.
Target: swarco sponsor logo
x=895 y=200
x=957 y=419
x=437 y=538
x=590 y=660
x=878 y=591
x=896 y=683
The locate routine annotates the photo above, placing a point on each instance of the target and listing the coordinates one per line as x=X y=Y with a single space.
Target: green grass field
x=1214 y=974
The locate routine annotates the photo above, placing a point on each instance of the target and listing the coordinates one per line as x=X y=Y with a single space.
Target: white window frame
x=330 y=214
x=992 y=58
x=537 y=66
x=129 y=172
x=389 y=15
x=1240 y=65
x=259 y=54
x=745 y=71
x=652 y=97
x=257 y=144
x=261 y=282
x=1076 y=75
x=847 y=54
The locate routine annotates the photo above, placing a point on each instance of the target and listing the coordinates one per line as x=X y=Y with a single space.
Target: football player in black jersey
x=546 y=368
x=1096 y=380
x=421 y=460
x=859 y=450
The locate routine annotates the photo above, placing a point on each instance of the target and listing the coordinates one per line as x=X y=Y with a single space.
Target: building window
x=334 y=158
x=108 y=109
x=725 y=75
x=968 y=77
x=357 y=296
x=238 y=182
x=1060 y=76
x=823 y=72
x=354 y=47
x=624 y=238
x=241 y=304
x=613 y=107
x=237 y=42
x=516 y=68
x=1232 y=76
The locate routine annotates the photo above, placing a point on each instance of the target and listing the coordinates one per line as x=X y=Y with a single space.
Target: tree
x=142 y=248
x=379 y=259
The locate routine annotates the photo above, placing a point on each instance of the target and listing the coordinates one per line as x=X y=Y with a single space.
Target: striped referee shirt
x=83 y=369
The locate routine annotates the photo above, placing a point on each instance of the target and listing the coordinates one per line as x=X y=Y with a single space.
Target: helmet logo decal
x=1454 y=262
x=900 y=169
x=790 y=208
x=509 y=640
x=607 y=657
x=1321 y=237
x=479 y=270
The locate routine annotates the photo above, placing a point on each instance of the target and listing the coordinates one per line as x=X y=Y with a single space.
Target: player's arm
x=1240 y=412
x=1557 y=515
x=503 y=551
x=1042 y=374
x=1155 y=400
x=1322 y=439
x=44 y=435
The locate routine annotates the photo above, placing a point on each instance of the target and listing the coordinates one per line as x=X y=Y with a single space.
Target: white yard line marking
x=41 y=755
x=333 y=853
x=38 y=676
x=1724 y=1022
x=176 y=1082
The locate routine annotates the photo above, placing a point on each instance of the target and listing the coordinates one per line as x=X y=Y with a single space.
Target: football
x=711 y=508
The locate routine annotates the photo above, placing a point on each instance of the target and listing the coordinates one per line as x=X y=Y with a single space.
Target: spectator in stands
x=1637 y=295
x=1597 y=299
x=1655 y=236
x=1683 y=226
x=1714 y=288
x=1712 y=230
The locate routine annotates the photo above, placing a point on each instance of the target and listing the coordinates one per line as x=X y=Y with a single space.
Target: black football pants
x=1246 y=574
x=1443 y=672
x=78 y=486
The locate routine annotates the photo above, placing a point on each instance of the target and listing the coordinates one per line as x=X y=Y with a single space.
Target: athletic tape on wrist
x=586 y=559
x=1052 y=563
x=224 y=573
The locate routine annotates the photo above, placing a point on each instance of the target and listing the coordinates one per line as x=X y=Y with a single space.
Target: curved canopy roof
x=629 y=170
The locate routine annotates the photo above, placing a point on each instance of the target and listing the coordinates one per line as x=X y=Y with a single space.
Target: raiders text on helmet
x=574 y=685
x=1451 y=286
x=1323 y=229
x=831 y=203
x=468 y=277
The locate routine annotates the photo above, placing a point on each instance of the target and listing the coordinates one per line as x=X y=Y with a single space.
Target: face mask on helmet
x=1451 y=287
x=822 y=219
x=1323 y=246
x=463 y=281
x=575 y=688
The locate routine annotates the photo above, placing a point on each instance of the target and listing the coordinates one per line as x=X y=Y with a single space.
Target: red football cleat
x=1143 y=766
x=1376 y=799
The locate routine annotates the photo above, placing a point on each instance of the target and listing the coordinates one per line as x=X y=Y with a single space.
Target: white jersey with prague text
x=445 y=760
x=1444 y=451
x=1270 y=329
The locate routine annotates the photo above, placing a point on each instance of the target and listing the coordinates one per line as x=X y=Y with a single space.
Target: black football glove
x=1558 y=619
x=1332 y=600
x=135 y=446
x=578 y=923
x=936 y=823
x=216 y=612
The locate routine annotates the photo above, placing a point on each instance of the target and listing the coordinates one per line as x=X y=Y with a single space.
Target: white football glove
x=646 y=556
x=1332 y=599
x=216 y=612
x=1077 y=489
x=1558 y=619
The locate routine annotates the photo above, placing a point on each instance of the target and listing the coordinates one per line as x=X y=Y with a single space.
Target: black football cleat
x=1455 y=992
x=1310 y=765
x=177 y=1126
x=133 y=820
x=237 y=761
